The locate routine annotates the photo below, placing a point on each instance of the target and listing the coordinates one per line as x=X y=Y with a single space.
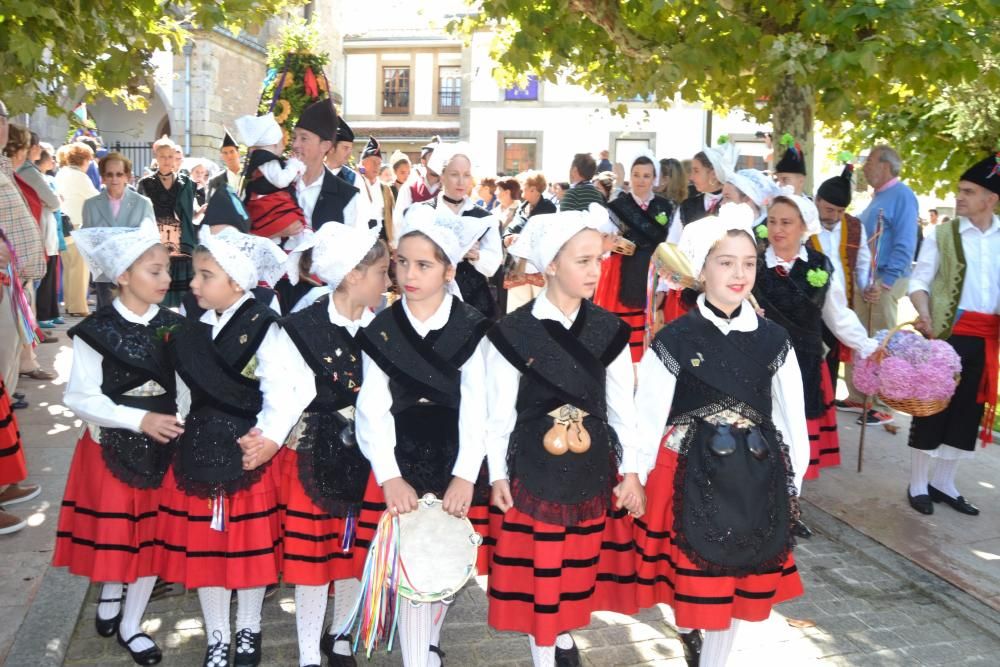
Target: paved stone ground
x=869 y=606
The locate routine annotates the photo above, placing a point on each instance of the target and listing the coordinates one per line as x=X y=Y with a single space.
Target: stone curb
x=44 y=636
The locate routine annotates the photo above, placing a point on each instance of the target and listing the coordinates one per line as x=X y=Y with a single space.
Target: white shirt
x=829 y=241
x=308 y=195
x=376 y=429
x=83 y=391
x=490 y=245
x=286 y=381
x=501 y=399
x=655 y=394
x=281 y=177
x=837 y=316
x=981 y=289
x=233 y=179
x=376 y=202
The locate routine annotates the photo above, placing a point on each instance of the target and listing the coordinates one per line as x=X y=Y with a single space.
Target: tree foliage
x=51 y=52
x=874 y=69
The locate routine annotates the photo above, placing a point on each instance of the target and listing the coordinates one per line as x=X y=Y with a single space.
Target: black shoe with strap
x=692 y=647
x=247 y=648
x=959 y=504
x=107 y=627
x=326 y=645
x=922 y=502
x=568 y=657
x=217 y=654
x=440 y=654
x=149 y=656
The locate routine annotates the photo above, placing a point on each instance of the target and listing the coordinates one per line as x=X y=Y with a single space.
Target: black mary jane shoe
x=217 y=654
x=108 y=627
x=922 y=503
x=959 y=504
x=439 y=652
x=149 y=656
x=335 y=659
x=247 y=648
x=692 y=647
x=801 y=530
x=568 y=657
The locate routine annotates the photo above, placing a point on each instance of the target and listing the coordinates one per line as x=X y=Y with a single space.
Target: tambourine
x=623 y=246
x=437 y=552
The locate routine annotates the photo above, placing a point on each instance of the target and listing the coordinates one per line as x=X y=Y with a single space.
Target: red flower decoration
x=309 y=82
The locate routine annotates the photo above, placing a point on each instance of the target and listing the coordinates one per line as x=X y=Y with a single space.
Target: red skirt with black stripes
x=313 y=553
x=606 y=296
x=106 y=529
x=12 y=466
x=700 y=600
x=547 y=579
x=246 y=554
x=824 y=443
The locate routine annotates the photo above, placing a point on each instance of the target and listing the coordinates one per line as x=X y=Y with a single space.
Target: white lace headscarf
x=810 y=216
x=247 y=259
x=109 y=251
x=545 y=235
x=700 y=236
x=452 y=233
x=337 y=249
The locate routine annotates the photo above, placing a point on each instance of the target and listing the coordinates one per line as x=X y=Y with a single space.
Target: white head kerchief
x=109 y=251
x=700 y=236
x=248 y=259
x=397 y=157
x=756 y=185
x=336 y=250
x=545 y=235
x=258 y=130
x=452 y=233
x=445 y=153
x=810 y=216
x=723 y=159
x=645 y=152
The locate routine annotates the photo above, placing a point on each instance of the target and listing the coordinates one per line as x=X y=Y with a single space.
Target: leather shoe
x=959 y=504
x=921 y=503
x=20 y=404
x=335 y=659
x=801 y=530
x=568 y=657
x=39 y=374
x=107 y=627
x=149 y=656
x=692 y=647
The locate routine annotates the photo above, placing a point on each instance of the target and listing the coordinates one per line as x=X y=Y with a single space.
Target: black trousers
x=47 y=294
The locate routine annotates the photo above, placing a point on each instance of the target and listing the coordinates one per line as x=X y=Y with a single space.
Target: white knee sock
x=542 y=656
x=717 y=645
x=439 y=611
x=310 y=612
x=249 y=603
x=345 y=594
x=564 y=641
x=111 y=591
x=135 y=605
x=416 y=623
x=920 y=466
x=215 y=611
x=944 y=477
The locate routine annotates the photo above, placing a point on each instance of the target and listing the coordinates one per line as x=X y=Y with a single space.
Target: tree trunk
x=792 y=112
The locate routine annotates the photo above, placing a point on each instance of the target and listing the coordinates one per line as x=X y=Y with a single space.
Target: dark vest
x=693 y=208
x=797 y=306
x=334 y=196
x=733 y=509
x=332 y=469
x=257 y=184
x=193 y=311
x=561 y=366
x=132 y=355
x=224 y=400
x=425 y=383
x=642 y=229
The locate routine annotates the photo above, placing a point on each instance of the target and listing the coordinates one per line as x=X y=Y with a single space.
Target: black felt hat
x=793 y=161
x=986 y=173
x=320 y=118
x=373 y=148
x=225 y=208
x=837 y=190
x=228 y=140
x=344 y=131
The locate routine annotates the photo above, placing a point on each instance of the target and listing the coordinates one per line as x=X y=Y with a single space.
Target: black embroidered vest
x=425 y=383
x=693 y=208
x=332 y=469
x=561 y=366
x=225 y=399
x=646 y=232
x=791 y=301
x=733 y=490
x=132 y=355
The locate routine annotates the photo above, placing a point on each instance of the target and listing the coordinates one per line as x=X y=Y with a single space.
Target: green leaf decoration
x=661 y=218
x=723 y=139
x=787 y=140
x=845 y=156
x=817 y=277
x=761 y=231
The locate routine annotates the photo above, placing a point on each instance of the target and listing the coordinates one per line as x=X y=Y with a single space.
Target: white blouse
x=374 y=425
x=83 y=390
x=655 y=394
x=837 y=316
x=286 y=381
x=501 y=400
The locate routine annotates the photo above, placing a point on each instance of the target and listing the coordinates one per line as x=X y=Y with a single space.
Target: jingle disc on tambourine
x=672 y=264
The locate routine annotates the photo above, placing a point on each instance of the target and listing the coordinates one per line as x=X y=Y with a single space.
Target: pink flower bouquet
x=910 y=368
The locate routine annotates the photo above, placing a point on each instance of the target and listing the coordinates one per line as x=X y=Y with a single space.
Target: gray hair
x=888 y=155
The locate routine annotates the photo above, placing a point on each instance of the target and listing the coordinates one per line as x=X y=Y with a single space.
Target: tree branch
x=606 y=14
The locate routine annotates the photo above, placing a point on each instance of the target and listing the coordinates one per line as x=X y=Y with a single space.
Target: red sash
x=986 y=327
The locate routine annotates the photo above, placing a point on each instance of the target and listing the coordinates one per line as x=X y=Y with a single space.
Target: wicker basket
x=911 y=406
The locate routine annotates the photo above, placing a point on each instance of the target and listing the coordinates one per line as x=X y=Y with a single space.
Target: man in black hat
x=842 y=239
x=378 y=196
x=955 y=288
x=229 y=153
x=336 y=160
x=791 y=168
